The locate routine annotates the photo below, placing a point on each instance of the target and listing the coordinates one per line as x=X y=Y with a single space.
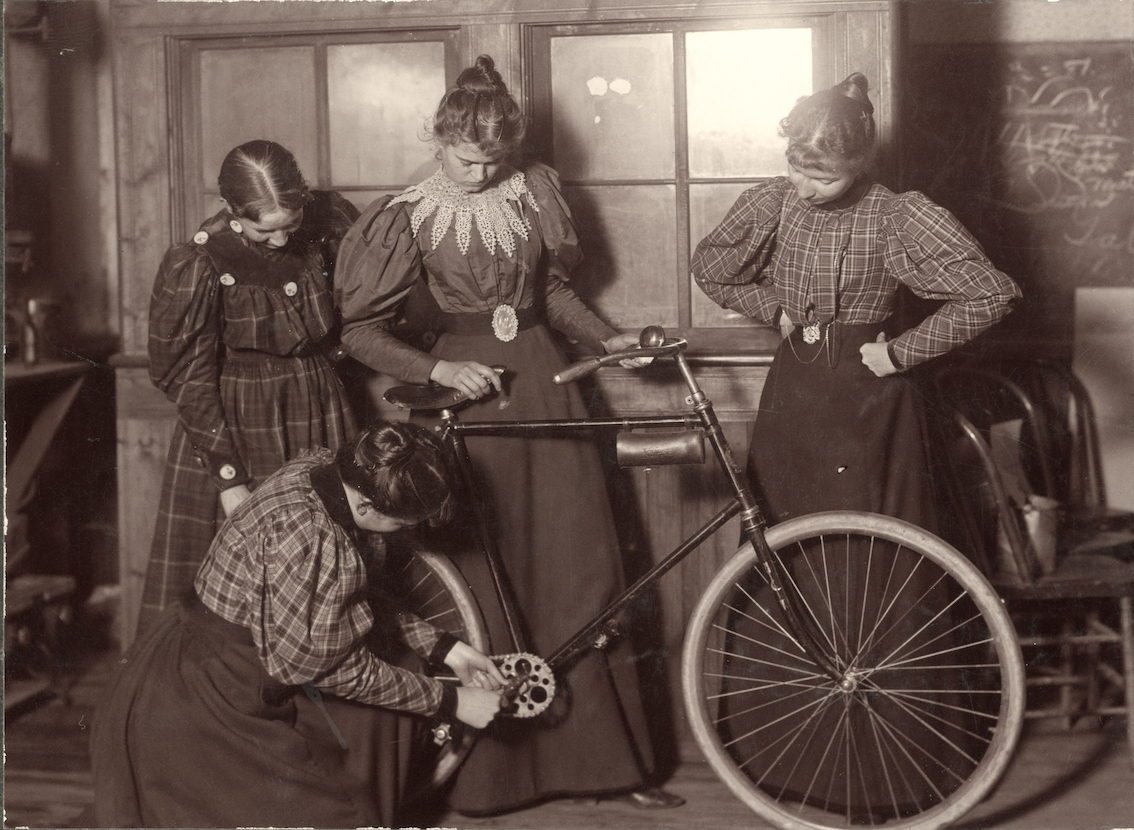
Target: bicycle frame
x=596 y=633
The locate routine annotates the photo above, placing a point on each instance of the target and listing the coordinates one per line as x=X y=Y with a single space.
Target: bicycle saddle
x=427 y=396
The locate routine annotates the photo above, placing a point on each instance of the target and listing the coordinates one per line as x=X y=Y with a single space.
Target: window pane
x=380 y=97
x=628 y=275
x=257 y=93
x=612 y=99
x=739 y=85
x=708 y=204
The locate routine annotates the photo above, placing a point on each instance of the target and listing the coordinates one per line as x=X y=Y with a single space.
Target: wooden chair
x=1059 y=437
x=1072 y=446
x=1072 y=599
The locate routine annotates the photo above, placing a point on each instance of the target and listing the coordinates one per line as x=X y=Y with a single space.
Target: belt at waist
x=481 y=323
x=200 y=613
x=272 y=692
x=323 y=349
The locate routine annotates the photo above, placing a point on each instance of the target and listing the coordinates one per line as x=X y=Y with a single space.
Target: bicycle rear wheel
x=930 y=703
x=432 y=587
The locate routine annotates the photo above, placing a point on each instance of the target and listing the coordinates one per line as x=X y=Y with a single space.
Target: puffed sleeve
x=565 y=311
x=310 y=624
x=184 y=343
x=378 y=264
x=931 y=252
x=730 y=265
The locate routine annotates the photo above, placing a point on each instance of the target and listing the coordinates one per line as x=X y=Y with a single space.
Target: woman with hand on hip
x=495 y=245
x=821 y=253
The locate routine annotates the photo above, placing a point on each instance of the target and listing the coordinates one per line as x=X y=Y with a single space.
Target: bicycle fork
x=753 y=523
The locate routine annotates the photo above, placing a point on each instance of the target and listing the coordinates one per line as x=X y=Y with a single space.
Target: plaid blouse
x=286 y=566
x=218 y=293
x=844 y=263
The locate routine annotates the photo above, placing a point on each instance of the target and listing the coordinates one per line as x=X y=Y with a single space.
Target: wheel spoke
x=926 y=713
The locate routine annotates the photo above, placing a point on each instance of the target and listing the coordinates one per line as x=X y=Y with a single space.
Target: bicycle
x=832 y=661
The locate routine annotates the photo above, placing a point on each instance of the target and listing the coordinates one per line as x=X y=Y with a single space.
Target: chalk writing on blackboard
x=1066 y=143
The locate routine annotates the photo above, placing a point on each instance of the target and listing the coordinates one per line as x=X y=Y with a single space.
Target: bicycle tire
x=981 y=686
x=435 y=590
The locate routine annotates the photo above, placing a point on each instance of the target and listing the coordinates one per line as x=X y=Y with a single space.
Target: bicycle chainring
x=531 y=685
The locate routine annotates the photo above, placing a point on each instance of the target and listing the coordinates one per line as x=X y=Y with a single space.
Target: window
x=353 y=108
x=656 y=128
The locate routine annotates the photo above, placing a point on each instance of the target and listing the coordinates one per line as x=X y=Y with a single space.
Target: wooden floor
x=1083 y=780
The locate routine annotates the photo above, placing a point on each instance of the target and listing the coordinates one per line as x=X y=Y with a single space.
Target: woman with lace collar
x=489 y=248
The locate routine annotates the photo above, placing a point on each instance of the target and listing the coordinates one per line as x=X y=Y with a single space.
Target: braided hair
x=259 y=178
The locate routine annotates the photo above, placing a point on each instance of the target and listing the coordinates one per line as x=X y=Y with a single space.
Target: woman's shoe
x=652 y=798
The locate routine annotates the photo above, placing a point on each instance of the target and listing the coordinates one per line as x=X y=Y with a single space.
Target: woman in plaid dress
x=821 y=253
x=243 y=325
x=248 y=702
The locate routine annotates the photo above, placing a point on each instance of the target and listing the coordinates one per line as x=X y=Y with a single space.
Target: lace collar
x=497 y=220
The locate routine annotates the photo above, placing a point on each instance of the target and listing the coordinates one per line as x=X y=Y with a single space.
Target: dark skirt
x=553 y=524
x=194 y=733
x=830 y=435
x=276 y=408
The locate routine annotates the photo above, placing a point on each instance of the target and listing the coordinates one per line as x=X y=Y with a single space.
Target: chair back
x=990 y=394
x=990 y=511
x=1071 y=432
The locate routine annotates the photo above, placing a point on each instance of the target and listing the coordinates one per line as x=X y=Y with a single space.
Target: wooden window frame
x=536 y=44
x=185 y=145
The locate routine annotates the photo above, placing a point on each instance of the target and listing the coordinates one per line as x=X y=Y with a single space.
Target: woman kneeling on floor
x=240 y=707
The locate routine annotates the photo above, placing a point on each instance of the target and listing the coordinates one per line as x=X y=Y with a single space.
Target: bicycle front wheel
x=929 y=702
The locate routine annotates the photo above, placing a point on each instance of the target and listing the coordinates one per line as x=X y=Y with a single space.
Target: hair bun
x=482 y=78
x=855 y=87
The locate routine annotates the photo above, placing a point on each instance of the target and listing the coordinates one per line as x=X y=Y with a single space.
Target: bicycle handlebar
x=652 y=342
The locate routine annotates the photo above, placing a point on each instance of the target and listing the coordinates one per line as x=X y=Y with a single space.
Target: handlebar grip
x=578 y=370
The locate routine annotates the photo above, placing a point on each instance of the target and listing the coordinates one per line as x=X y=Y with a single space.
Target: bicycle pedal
x=531 y=685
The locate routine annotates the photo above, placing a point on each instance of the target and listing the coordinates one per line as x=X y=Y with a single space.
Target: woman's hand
x=473 y=668
x=626 y=341
x=232 y=498
x=473 y=379
x=477 y=707
x=876 y=357
x=786 y=325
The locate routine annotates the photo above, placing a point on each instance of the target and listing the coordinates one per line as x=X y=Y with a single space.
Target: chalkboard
x=1032 y=147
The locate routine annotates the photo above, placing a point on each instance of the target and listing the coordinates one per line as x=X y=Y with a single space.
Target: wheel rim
x=432 y=587
x=880 y=747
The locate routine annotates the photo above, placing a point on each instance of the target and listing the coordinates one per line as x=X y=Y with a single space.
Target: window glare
x=613 y=110
x=739 y=85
